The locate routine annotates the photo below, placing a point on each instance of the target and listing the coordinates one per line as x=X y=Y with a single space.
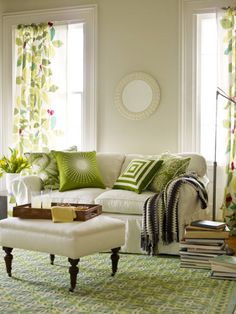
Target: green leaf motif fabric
x=78 y=170
x=172 y=166
x=228 y=23
x=138 y=175
x=32 y=126
x=45 y=166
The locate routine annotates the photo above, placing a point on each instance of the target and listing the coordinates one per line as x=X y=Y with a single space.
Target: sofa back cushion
x=130 y=157
x=197 y=163
x=110 y=165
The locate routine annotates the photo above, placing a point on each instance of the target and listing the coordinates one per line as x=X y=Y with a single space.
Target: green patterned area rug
x=143 y=284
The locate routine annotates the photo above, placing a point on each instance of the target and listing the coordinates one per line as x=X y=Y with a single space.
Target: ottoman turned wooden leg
x=8 y=259
x=73 y=270
x=52 y=257
x=114 y=259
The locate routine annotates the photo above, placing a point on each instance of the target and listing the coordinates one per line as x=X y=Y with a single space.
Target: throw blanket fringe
x=160 y=212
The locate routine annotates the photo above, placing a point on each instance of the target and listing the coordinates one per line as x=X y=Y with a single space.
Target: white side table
x=3 y=204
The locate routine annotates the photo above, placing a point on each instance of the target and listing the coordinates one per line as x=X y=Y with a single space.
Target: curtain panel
x=229 y=204
x=33 y=118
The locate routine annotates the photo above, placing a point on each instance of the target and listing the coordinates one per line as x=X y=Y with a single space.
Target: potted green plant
x=12 y=167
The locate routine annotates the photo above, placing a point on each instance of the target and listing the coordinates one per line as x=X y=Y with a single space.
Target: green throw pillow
x=45 y=166
x=172 y=166
x=138 y=175
x=78 y=170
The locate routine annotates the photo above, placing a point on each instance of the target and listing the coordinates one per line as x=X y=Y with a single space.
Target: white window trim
x=188 y=138
x=79 y=14
x=188 y=100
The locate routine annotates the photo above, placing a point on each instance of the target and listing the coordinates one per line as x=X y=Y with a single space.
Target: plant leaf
x=226 y=23
x=18 y=80
x=19 y=42
x=57 y=43
x=53 y=88
x=53 y=122
x=46 y=62
x=52 y=33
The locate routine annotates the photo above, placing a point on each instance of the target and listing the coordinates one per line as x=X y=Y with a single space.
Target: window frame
x=79 y=14
x=188 y=99
x=189 y=111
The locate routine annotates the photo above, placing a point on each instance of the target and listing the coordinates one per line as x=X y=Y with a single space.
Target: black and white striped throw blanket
x=160 y=212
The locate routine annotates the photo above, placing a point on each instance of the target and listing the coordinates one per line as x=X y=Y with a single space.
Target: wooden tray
x=27 y=212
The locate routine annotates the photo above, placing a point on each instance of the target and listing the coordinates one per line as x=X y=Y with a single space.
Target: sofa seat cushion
x=83 y=196
x=122 y=201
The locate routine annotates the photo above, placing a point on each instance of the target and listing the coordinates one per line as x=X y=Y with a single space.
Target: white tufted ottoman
x=73 y=240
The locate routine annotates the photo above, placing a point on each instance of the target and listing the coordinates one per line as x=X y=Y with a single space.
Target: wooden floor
x=232 y=243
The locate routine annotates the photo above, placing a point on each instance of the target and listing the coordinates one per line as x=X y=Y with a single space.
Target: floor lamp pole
x=215 y=163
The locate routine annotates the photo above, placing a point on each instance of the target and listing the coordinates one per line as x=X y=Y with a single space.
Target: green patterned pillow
x=138 y=175
x=78 y=170
x=45 y=166
x=172 y=166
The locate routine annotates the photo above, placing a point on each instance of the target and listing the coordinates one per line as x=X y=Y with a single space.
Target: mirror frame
x=154 y=103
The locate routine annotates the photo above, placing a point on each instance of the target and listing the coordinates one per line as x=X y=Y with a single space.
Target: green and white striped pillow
x=138 y=175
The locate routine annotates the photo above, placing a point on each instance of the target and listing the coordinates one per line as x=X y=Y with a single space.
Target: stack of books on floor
x=203 y=241
x=223 y=267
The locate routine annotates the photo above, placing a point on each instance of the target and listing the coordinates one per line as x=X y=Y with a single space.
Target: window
x=67 y=101
x=208 y=70
x=201 y=73
x=206 y=81
x=73 y=73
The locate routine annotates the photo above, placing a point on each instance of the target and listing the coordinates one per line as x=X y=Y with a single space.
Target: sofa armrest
x=22 y=188
x=189 y=207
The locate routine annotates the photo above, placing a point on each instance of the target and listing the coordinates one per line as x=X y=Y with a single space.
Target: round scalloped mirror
x=137 y=95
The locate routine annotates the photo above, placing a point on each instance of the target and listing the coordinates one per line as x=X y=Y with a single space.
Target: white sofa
x=123 y=204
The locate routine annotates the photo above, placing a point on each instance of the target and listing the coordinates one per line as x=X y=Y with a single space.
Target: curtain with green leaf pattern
x=33 y=119
x=228 y=22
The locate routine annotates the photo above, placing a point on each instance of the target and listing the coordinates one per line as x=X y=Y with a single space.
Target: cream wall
x=133 y=35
